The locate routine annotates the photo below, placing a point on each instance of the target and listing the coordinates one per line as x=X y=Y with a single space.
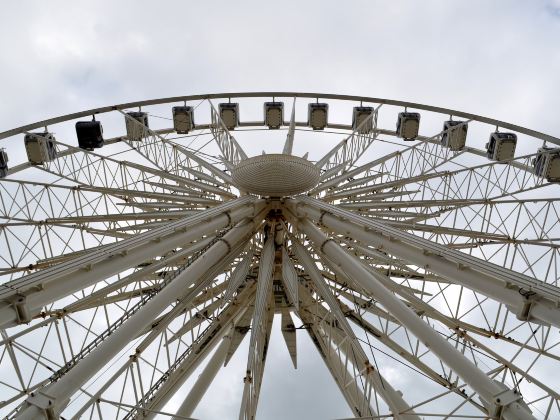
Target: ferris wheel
x=396 y=236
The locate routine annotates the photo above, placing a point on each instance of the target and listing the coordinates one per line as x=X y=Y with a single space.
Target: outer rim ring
x=447 y=111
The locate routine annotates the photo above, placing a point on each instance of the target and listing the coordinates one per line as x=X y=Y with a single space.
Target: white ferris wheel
x=394 y=235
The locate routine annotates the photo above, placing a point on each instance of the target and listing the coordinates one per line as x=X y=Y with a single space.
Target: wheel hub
x=275 y=175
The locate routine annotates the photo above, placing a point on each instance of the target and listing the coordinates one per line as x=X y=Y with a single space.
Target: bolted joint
x=506 y=397
x=322 y=247
x=523 y=313
x=47 y=404
x=23 y=314
x=502 y=400
x=299 y=210
x=369 y=368
x=248 y=378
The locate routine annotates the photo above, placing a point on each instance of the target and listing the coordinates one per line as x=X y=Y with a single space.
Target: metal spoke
x=426 y=275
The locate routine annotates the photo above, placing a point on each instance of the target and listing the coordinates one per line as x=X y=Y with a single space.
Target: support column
x=52 y=401
x=202 y=347
x=351 y=391
x=260 y=332
x=23 y=298
x=489 y=390
x=489 y=279
x=205 y=379
x=399 y=407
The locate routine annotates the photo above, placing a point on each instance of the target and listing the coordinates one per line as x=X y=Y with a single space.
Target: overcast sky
x=499 y=59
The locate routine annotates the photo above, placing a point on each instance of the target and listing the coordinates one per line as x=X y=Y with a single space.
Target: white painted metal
x=275 y=175
x=290 y=279
x=289 y=145
x=232 y=152
x=289 y=334
x=60 y=392
x=201 y=348
x=445 y=262
x=490 y=280
x=238 y=276
x=349 y=150
x=398 y=406
x=352 y=391
x=443 y=111
x=259 y=332
x=486 y=388
x=205 y=378
x=61 y=280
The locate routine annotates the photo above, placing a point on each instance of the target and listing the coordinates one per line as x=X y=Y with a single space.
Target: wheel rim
x=467 y=244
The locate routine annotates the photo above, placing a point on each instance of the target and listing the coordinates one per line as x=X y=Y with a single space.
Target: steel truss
x=127 y=269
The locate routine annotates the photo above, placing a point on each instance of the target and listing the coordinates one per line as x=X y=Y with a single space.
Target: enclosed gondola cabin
x=274 y=114
x=547 y=164
x=501 y=146
x=229 y=114
x=40 y=147
x=408 y=124
x=317 y=115
x=90 y=134
x=183 y=119
x=136 y=124
x=454 y=135
x=362 y=119
x=3 y=163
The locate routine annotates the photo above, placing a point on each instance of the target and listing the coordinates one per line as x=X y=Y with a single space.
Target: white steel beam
x=169 y=156
x=349 y=150
x=420 y=306
x=259 y=332
x=122 y=193
x=290 y=278
x=489 y=279
x=492 y=393
x=181 y=180
x=450 y=203
x=353 y=391
x=168 y=215
x=313 y=95
x=232 y=152
x=372 y=189
x=200 y=290
x=101 y=294
x=21 y=299
x=238 y=276
x=180 y=372
x=205 y=378
x=332 y=171
x=60 y=392
x=195 y=354
x=393 y=345
x=289 y=334
x=398 y=406
x=241 y=327
x=211 y=168
x=289 y=144
x=333 y=182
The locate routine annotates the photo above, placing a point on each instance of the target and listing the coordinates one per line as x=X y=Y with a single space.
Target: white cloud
x=499 y=59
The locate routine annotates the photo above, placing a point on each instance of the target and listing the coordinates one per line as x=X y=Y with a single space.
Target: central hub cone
x=275 y=175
